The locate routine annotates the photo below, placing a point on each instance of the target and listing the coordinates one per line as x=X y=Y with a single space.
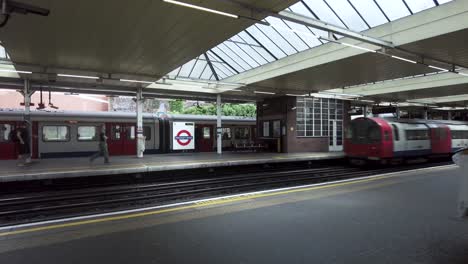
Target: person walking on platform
x=22 y=138
x=103 y=151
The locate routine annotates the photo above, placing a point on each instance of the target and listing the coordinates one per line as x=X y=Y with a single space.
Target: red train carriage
x=387 y=140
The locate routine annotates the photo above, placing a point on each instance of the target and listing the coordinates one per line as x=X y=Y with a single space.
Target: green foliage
x=176 y=106
x=246 y=110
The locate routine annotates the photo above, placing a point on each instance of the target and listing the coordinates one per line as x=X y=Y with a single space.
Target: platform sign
x=183 y=135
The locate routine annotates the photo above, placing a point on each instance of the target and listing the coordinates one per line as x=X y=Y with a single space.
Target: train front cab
x=369 y=139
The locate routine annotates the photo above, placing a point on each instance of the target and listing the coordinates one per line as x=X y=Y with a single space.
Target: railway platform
x=81 y=167
x=405 y=217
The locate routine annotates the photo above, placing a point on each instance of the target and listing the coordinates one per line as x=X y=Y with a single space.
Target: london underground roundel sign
x=184 y=137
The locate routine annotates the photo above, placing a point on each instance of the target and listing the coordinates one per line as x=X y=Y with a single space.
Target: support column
x=27 y=111
x=397 y=111
x=140 y=136
x=425 y=114
x=365 y=110
x=449 y=115
x=219 y=139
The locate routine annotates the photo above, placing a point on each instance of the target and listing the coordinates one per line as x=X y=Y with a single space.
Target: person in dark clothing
x=22 y=138
x=103 y=151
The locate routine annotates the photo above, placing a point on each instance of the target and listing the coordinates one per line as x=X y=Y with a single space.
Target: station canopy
x=266 y=51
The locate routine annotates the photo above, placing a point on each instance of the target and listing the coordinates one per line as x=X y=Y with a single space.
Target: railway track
x=24 y=208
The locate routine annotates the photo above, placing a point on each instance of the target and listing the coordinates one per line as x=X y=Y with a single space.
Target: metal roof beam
x=318 y=24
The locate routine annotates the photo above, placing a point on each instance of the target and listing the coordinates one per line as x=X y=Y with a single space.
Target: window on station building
x=147 y=133
x=266 y=129
x=5 y=132
x=55 y=133
x=313 y=116
x=242 y=133
x=227 y=134
x=276 y=128
x=88 y=133
x=420 y=134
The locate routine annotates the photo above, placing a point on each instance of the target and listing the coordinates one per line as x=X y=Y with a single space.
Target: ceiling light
x=77 y=76
x=136 y=81
x=296 y=95
x=201 y=8
x=356 y=47
x=15 y=71
x=437 y=68
x=260 y=92
x=403 y=59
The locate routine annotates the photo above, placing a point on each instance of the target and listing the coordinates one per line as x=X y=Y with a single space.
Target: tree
x=176 y=106
x=246 y=110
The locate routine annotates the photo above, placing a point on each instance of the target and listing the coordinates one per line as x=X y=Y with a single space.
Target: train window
x=131 y=132
x=396 y=133
x=459 y=134
x=115 y=135
x=242 y=133
x=147 y=132
x=417 y=134
x=5 y=130
x=55 y=133
x=227 y=133
x=206 y=132
x=87 y=133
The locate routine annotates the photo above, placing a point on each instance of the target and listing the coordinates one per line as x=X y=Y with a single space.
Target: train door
x=121 y=138
x=7 y=145
x=204 y=138
x=336 y=135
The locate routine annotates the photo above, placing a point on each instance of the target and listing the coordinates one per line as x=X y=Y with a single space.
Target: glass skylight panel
x=266 y=42
x=277 y=39
x=323 y=12
x=370 y=12
x=305 y=34
x=237 y=54
x=264 y=53
x=255 y=55
x=242 y=54
x=197 y=69
x=2 y=53
x=231 y=58
x=444 y=1
x=173 y=73
x=206 y=74
x=285 y=30
x=419 y=5
x=220 y=72
x=346 y=12
x=394 y=9
x=224 y=68
x=187 y=68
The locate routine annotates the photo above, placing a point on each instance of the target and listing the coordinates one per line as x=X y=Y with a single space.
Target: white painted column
x=140 y=136
x=398 y=113
x=364 y=110
x=461 y=159
x=449 y=115
x=425 y=114
x=27 y=111
x=219 y=139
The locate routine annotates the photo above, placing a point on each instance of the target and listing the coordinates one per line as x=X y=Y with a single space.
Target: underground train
x=394 y=140
x=74 y=134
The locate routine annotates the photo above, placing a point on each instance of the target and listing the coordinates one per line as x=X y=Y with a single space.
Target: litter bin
x=461 y=160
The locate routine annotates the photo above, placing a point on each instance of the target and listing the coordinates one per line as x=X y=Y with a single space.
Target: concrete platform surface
x=404 y=218
x=81 y=167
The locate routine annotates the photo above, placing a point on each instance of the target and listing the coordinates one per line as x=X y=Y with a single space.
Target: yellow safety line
x=197 y=205
x=131 y=165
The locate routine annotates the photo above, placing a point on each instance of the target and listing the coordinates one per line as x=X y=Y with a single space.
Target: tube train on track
x=75 y=134
x=394 y=140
